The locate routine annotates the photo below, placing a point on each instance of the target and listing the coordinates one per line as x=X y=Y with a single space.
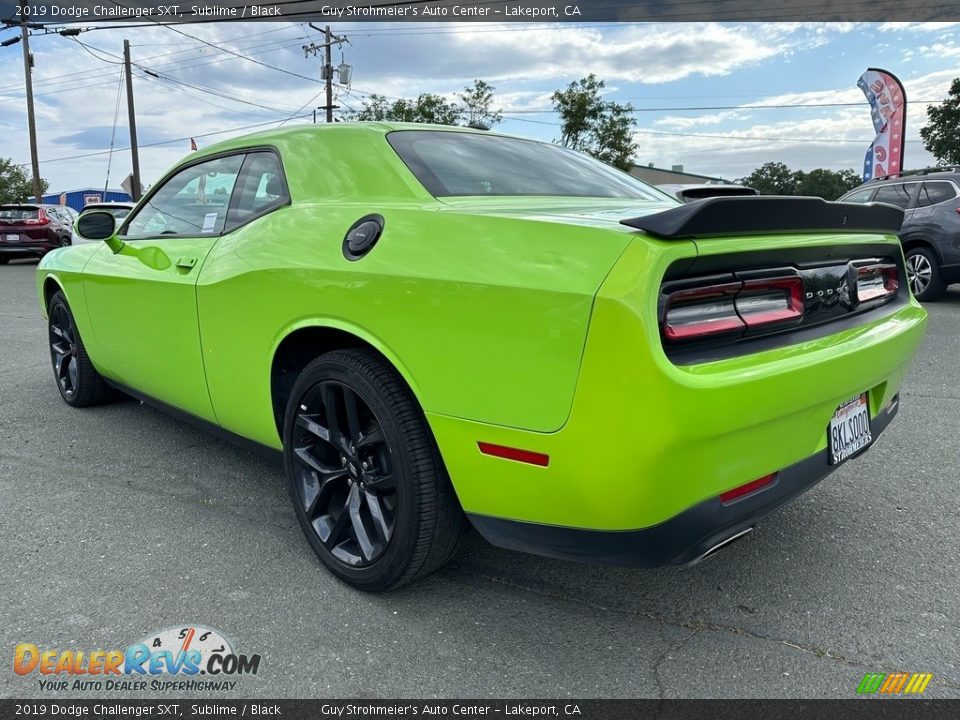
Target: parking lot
x=119 y=521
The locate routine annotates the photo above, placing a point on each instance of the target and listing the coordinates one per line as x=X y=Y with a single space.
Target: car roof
x=926 y=175
x=28 y=206
x=373 y=127
x=946 y=174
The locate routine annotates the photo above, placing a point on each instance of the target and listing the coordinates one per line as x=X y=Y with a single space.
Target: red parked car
x=31 y=230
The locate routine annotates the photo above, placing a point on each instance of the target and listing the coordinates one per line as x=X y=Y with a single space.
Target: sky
x=211 y=82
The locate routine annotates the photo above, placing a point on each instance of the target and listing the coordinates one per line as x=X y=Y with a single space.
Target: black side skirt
x=683 y=539
x=264 y=451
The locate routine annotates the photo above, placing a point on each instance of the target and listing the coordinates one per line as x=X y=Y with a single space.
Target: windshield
x=455 y=164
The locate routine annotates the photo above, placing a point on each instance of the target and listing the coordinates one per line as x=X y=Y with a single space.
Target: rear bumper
x=26 y=249
x=680 y=540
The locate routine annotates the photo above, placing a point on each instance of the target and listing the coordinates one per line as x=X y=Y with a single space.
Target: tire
x=367 y=482
x=923 y=274
x=79 y=383
x=65 y=241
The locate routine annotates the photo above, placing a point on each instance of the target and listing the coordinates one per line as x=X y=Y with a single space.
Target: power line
x=163 y=142
x=186 y=92
x=218 y=47
x=60 y=79
x=201 y=88
x=153 y=73
x=525 y=111
x=113 y=133
x=748 y=138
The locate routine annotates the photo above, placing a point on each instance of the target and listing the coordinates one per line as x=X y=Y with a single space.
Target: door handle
x=187 y=263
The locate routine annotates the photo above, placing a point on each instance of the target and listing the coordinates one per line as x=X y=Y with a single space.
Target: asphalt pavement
x=119 y=521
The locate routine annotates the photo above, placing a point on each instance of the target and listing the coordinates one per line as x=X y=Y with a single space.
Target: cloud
x=77 y=91
x=916 y=26
x=678 y=122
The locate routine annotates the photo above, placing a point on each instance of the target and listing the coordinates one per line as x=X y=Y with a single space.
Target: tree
x=426 y=108
x=477 y=105
x=825 y=183
x=602 y=128
x=775 y=178
x=772 y=178
x=941 y=134
x=16 y=184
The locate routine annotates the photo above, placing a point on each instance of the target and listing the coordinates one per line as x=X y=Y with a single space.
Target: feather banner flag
x=888 y=109
x=193 y=144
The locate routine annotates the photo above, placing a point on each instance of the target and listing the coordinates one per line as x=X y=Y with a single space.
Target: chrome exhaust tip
x=724 y=543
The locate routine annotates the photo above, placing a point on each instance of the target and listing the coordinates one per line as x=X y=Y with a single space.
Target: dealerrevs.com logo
x=196 y=657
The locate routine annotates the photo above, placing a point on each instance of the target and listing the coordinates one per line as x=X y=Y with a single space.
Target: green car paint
x=529 y=322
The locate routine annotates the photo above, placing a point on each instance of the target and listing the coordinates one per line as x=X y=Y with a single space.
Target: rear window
x=461 y=164
x=19 y=213
x=932 y=193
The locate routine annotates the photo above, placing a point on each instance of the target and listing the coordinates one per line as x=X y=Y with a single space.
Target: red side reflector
x=509 y=453
x=750 y=487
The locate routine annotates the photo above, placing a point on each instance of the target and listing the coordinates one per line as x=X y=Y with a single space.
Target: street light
x=10 y=41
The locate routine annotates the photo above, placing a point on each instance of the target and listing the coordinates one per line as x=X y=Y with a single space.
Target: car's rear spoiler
x=765 y=214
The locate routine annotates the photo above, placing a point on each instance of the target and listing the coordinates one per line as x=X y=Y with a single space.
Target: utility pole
x=31 y=119
x=329 y=40
x=328 y=71
x=132 y=118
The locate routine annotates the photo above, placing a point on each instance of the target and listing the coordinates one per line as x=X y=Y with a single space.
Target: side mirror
x=98 y=225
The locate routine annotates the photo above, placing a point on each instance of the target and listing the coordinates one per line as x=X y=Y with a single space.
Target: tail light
x=770 y=300
x=876 y=282
x=735 y=307
x=40 y=219
x=703 y=311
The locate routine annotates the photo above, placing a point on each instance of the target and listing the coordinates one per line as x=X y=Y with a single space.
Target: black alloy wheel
x=63 y=350
x=345 y=476
x=366 y=479
x=77 y=379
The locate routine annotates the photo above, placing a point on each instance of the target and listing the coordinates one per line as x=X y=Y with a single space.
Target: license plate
x=13 y=237
x=850 y=429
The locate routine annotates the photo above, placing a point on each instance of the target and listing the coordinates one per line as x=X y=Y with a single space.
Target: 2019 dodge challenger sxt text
x=434 y=324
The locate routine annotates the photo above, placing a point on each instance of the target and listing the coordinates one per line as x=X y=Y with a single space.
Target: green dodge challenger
x=440 y=326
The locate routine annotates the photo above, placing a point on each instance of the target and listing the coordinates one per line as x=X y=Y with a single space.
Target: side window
x=935 y=192
x=191 y=203
x=860 y=196
x=262 y=187
x=898 y=194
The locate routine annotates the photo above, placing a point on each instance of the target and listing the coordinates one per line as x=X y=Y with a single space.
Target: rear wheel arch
x=919 y=242
x=302 y=345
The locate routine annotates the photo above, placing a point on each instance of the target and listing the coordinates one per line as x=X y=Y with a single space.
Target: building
x=674 y=176
x=77 y=199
